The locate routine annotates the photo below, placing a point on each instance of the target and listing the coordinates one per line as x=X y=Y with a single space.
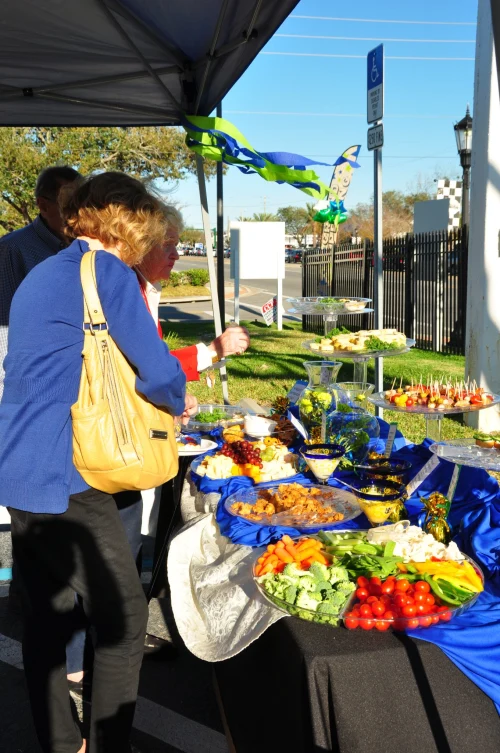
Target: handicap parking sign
x=375 y=84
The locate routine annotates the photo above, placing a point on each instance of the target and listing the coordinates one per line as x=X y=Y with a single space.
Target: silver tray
x=467 y=452
x=336 y=499
x=381 y=402
x=360 y=354
x=328 y=305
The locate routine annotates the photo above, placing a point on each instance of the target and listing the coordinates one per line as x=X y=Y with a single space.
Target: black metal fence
x=425 y=285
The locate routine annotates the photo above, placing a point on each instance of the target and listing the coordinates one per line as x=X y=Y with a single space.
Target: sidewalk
x=228 y=295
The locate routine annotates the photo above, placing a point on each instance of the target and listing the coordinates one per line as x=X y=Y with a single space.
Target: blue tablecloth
x=472 y=640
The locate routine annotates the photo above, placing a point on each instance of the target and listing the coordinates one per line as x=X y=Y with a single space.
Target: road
x=250 y=305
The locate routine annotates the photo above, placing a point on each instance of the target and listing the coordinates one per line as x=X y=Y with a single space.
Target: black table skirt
x=304 y=688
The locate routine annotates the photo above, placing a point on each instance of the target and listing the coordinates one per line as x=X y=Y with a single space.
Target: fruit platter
x=262 y=461
x=324 y=305
x=301 y=507
x=340 y=342
x=395 y=577
x=211 y=416
x=436 y=396
x=483 y=451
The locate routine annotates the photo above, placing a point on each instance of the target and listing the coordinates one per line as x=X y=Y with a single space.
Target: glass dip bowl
x=385 y=468
x=378 y=499
x=322 y=459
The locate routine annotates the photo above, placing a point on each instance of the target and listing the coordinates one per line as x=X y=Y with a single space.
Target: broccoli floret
x=318 y=571
x=337 y=597
x=308 y=583
x=345 y=586
x=293 y=571
x=305 y=615
x=305 y=600
x=337 y=573
x=326 y=607
x=316 y=595
x=323 y=585
x=290 y=594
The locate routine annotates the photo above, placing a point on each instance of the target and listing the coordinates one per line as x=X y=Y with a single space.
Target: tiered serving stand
x=330 y=311
x=466 y=452
x=433 y=417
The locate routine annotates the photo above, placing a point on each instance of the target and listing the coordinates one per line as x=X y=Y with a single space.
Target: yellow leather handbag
x=121 y=441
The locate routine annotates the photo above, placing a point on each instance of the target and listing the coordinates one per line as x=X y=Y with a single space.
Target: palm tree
x=244 y=219
x=264 y=217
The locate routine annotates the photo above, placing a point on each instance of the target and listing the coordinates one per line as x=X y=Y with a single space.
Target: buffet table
x=291 y=685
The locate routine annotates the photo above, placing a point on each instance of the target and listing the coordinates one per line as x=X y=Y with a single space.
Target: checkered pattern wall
x=452 y=190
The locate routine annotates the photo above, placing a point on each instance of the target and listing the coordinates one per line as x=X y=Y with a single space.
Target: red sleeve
x=188 y=358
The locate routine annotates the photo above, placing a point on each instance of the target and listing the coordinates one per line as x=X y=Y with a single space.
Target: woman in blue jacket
x=66 y=536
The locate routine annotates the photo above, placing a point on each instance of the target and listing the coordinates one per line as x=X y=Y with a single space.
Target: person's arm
x=12 y=273
x=188 y=358
x=159 y=375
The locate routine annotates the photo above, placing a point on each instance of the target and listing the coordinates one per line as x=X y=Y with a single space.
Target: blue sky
x=316 y=105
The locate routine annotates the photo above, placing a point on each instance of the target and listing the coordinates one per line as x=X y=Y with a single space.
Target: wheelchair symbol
x=374 y=74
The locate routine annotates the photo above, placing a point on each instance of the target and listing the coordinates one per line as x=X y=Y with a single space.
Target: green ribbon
x=219 y=140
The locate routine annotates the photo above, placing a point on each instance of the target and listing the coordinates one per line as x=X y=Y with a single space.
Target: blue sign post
x=375 y=84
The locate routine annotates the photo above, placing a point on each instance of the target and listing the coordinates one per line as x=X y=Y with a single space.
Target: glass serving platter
x=381 y=402
x=398 y=624
x=467 y=452
x=325 y=305
x=354 y=354
x=234 y=415
x=331 y=499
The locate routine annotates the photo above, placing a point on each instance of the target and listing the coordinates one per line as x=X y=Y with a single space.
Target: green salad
x=205 y=417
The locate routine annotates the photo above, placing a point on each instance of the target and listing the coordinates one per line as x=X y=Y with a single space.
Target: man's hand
x=190 y=409
x=234 y=340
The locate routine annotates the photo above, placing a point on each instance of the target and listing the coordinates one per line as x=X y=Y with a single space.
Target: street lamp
x=463 y=135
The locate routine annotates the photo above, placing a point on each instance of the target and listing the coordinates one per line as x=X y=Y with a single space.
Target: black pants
x=84 y=550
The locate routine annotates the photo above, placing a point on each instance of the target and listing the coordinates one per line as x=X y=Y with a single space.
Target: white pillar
x=482 y=346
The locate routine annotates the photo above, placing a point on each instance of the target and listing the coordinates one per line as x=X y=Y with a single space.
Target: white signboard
x=257 y=249
x=375 y=137
x=270 y=311
x=375 y=84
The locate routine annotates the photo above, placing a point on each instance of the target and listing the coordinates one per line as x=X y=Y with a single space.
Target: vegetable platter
x=394 y=577
x=211 y=416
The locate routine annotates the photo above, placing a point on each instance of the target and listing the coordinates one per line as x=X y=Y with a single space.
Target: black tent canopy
x=126 y=62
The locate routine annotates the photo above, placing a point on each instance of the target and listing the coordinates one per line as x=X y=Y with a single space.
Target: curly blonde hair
x=117 y=210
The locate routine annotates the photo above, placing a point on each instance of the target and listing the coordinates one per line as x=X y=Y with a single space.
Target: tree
x=264 y=217
x=191 y=235
x=296 y=221
x=151 y=153
x=245 y=219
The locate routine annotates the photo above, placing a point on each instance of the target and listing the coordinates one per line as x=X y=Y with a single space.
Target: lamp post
x=463 y=135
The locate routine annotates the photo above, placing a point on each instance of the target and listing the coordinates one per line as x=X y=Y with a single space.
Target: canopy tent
x=130 y=62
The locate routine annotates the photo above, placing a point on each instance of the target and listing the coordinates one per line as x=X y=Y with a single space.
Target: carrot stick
x=271 y=548
x=305 y=544
x=318 y=557
x=291 y=549
x=280 y=545
x=283 y=555
x=306 y=553
x=267 y=569
x=286 y=539
x=272 y=559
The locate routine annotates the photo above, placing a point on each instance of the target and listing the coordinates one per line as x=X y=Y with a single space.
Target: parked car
x=227 y=253
x=297 y=256
x=289 y=254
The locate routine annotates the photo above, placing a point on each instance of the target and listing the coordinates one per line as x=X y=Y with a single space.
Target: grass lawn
x=275 y=360
x=184 y=291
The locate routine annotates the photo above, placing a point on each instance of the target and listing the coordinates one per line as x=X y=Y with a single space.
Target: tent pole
x=220 y=235
x=211 y=266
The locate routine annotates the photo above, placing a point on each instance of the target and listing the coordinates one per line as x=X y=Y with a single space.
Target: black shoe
x=159 y=649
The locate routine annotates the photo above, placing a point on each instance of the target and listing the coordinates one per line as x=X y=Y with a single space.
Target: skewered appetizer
x=439 y=396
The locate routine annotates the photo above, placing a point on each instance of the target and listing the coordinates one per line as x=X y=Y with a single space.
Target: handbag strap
x=93 y=313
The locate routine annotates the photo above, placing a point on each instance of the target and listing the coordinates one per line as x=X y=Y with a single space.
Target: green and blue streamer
x=218 y=139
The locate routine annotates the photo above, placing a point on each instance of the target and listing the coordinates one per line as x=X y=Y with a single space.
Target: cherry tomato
x=366 y=624
x=425 y=621
x=400 y=600
x=385 y=599
x=355 y=612
x=382 y=625
x=371 y=599
x=422 y=608
x=389 y=615
x=362 y=581
x=375 y=589
x=374 y=581
x=378 y=608
x=435 y=619
x=412 y=623
x=350 y=621
x=387 y=587
x=430 y=600
x=421 y=585
x=409 y=402
x=365 y=610
x=420 y=597
x=402 y=585
x=362 y=594
x=444 y=614
x=409 y=610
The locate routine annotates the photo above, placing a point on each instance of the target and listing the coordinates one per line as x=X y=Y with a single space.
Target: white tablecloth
x=217 y=608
